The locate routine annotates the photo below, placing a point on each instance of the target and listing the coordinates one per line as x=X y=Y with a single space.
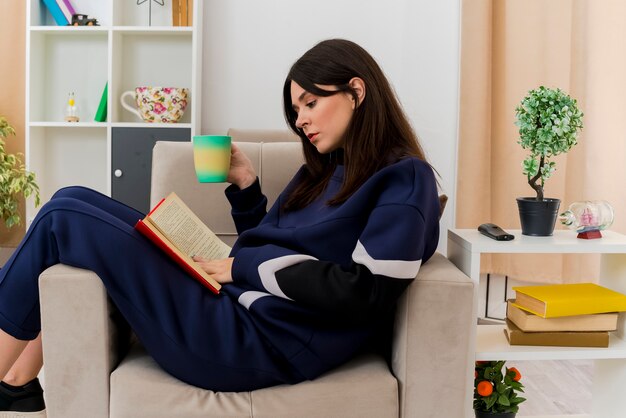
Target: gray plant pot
x=482 y=414
x=538 y=217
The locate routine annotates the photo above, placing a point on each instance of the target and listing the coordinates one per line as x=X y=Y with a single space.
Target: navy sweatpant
x=206 y=340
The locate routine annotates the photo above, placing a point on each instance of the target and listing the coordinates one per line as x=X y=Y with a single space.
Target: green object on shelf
x=101 y=113
x=15 y=181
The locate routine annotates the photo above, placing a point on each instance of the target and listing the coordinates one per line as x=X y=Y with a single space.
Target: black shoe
x=27 y=398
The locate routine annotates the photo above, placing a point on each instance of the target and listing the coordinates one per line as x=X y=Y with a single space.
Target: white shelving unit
x=465 y=247
x=125 y=53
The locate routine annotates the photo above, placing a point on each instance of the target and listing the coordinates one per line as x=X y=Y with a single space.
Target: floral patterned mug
x=157 y=104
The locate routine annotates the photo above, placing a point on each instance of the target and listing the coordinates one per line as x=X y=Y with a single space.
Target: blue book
x=56 y=12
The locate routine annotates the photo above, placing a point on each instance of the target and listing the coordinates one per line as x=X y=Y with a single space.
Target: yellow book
x=550 y=301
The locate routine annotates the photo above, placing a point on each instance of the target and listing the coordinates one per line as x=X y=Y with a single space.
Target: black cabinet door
x=131 y=162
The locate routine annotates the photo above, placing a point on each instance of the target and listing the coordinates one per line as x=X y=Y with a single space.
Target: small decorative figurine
x=83 y=20
x=71 y=111
x=159 y=2
x=588 y=218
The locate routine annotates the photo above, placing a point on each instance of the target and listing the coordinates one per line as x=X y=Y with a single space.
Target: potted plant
x=15 y=180
x=548 y=121
x=495 y=393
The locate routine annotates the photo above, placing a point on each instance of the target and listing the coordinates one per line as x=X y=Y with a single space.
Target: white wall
x=249 y=46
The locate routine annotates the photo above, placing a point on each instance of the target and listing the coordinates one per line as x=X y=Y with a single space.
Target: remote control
x=495 y=232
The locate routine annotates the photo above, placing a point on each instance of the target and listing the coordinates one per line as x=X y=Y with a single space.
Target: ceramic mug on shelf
x=157 y=104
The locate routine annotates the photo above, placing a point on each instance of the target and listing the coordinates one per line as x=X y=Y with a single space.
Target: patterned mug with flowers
x=157 y=104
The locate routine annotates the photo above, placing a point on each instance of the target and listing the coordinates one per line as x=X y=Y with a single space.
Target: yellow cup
x=211 y=157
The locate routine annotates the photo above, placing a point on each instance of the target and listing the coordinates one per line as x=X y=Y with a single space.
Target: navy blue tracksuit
x=310 y=287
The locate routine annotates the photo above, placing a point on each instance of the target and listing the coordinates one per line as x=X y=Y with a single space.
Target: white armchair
x=90 y=373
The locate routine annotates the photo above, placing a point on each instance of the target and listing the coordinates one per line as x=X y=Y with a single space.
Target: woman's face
x=324 y=120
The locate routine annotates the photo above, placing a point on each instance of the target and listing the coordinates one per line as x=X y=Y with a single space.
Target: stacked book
x=567 y=315
x=61 y=11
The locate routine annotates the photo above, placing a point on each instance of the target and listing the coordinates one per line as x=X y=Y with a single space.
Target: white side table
x=609 y=382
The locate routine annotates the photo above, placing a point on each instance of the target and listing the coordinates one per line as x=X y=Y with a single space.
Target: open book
x=174 y=228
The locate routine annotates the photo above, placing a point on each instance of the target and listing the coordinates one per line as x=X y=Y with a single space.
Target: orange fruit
x=484 y=388
x=517 y=376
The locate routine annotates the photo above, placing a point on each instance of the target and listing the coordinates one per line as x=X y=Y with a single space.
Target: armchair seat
x=364 y=384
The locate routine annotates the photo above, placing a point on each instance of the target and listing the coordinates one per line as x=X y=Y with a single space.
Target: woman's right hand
x=241 y=172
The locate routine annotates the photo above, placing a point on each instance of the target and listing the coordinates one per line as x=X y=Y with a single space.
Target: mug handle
x=126 y=106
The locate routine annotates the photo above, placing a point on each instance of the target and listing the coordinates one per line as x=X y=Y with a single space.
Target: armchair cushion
x=262 y=135
x=346 y=392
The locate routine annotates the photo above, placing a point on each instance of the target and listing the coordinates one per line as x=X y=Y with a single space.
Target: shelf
x=70 y=30
x=68 y=124
x=100 y=10
x=56 y=65
x=555 y=416
x=154 y=30
x=149 y=125
x=85 y=30
x=491 y=344
x=129 y=13
x=65 y=157
x=150 y=59
x=562 y=242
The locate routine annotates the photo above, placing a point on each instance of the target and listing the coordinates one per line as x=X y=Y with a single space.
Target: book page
x=183 y=228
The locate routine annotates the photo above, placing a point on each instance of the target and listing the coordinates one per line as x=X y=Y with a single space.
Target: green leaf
x=503 y=400
x=15 y=180
x=491 y=400
x=500 y=387
x=12 y=221
x=530 y=166
x=490 y=373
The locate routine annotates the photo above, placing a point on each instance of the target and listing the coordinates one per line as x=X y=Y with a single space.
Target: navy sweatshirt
x=319 y=280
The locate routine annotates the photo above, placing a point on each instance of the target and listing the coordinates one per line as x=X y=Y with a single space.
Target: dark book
x=516 y=336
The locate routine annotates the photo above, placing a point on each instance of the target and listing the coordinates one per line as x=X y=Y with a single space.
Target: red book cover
x=195 y=272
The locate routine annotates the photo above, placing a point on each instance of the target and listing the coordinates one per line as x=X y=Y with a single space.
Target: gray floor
x=555 y=387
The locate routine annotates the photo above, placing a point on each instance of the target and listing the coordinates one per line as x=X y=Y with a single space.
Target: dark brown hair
x=378 y=134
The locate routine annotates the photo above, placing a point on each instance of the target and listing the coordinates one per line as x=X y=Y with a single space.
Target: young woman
x=307 y=285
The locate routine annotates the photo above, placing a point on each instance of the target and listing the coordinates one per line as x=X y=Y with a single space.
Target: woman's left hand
x=220 y=270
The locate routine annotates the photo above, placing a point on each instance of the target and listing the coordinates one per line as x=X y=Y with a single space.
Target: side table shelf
x=491 y=344
x=465 y=247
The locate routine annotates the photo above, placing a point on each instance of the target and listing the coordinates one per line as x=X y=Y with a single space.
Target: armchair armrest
x=80 y=342
x=432 y=341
